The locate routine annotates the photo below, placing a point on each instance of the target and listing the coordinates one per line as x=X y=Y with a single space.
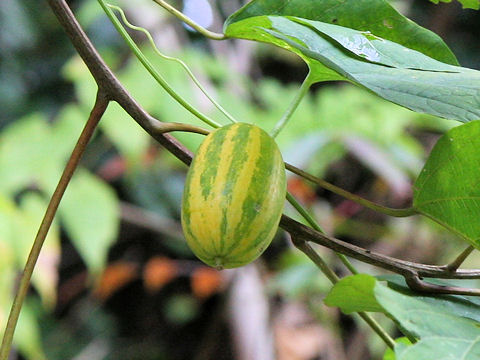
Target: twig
x=455 y=264
x=110 y=84
x=303 y=246
x=402 y=267
x=163 y=128
x=322 y=265
x=317 y=227
x=99 y=108
x=207 y=33
x=307 y=82
x=415 y=283
x=348 y=195
x=150 y=220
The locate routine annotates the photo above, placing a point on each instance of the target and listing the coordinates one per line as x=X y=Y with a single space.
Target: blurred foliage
x=151 y=309
x=467 y=4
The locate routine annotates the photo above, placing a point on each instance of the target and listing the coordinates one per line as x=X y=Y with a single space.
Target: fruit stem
x=218 y=263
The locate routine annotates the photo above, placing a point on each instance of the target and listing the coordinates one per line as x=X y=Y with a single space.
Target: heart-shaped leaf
x=448 y=188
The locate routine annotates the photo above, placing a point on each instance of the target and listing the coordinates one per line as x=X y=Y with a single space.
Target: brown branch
x=455 y=264
x=402 y=267
x=98 y=110
x=107 y=81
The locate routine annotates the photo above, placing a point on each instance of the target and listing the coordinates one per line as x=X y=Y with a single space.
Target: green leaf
x=470 y=4
x=447 y=189
x=400 y=344
x=447 y=326
x=32 y=152
x=353 y=294
x=45 y=278
x=7 y=258
x=89 y=211
x=27 y=157
x=129 y=138
x=18 y=228
x=376 y=16
x=466 y=4
x=420 y=83
x=375 y=49
x=27 y=335
x=444 y=335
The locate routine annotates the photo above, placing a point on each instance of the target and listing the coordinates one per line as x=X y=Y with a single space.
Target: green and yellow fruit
x=234 y=196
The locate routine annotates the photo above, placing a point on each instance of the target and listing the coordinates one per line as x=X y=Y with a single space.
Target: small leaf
x=447 y=190
x=18 y=228
x=90 y=212
x=353 y=294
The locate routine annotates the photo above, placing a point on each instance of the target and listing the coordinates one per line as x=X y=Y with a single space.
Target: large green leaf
x=89 y=211
x=396 y=73
x=447 y=327
x=28 y=335
x=18 y=227
x=27 y=156
x=448 y=188
x=45 y=278
x=376 y=16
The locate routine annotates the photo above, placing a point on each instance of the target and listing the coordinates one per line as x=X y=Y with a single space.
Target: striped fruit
x=234 y=196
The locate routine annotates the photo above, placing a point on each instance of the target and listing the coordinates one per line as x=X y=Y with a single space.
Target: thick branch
x=402 y=267
x=108 y=82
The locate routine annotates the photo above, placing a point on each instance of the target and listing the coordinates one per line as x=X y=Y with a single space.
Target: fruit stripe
x=218 y=177
x=258 y=201
x=228 y=198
